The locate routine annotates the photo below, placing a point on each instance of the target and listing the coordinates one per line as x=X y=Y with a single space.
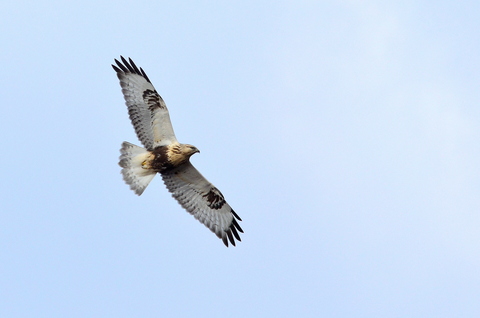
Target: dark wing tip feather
x=145 y=75
x=134 y=66
x=116 y=69
x=125 y=62
x=129 y=67
x=225 y=241
x=235 y=215
x=230 y=237
x=235 y=233
x=236 y=225
x=121 y=66
x=232 y=233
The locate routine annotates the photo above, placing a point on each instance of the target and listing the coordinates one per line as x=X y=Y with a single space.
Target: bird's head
x=189 y=150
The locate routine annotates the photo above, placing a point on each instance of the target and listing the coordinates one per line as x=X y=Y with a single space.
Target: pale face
x=179 y=153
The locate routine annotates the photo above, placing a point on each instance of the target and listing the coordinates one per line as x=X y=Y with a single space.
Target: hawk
x=163 y=154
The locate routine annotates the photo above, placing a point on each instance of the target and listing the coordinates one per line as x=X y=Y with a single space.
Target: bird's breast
x=167 y=157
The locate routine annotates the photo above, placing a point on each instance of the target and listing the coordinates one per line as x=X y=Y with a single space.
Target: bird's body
x=164 y=158
x=165 y=155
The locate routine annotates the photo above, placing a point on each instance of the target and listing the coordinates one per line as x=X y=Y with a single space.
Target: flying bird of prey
x=163 y=154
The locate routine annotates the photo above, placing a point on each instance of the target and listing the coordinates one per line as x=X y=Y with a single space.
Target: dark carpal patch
x=152 y=99
x=215 y=199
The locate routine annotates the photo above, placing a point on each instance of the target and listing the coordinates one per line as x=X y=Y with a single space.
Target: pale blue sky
x=344 y=133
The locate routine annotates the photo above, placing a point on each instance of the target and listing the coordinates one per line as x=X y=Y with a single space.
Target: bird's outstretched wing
x=205 y=202
x=147 y=110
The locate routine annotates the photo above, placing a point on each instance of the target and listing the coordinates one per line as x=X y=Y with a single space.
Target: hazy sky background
x=344 y=133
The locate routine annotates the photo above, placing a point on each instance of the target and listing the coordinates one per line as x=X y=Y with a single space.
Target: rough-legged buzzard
x=165 y=155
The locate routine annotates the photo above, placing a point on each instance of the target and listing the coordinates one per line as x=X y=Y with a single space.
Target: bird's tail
x=136 y=169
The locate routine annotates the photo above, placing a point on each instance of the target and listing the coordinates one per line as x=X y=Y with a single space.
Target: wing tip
x=231 y=234
x=128 y=66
